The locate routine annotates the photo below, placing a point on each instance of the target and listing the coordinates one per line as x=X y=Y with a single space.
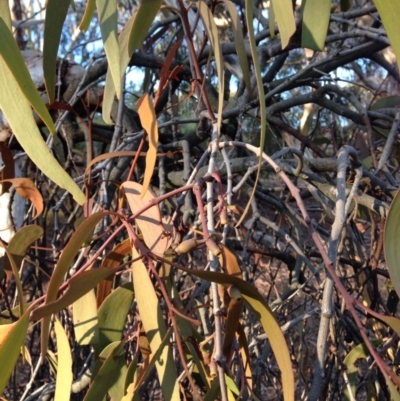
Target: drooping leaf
x=285 y=19
x=154 y=325
x=19 y=115
x=13 y=65
x=64 y=364
x=239 y=44
x=316 y=15
x=260 y=88
x=107 y=10
x=26 y=188
x=212 y=32
x=107 y=373
x=149 y=222
x=64 y=263
x=88 y=15
x=267 y=320
x=148 y=119
x=112 y=316
x=12 y=337
x=56 y=12
x=131 y=38
x=271 y=19
x=85 y=319
x=389 y=12
x=391 y=242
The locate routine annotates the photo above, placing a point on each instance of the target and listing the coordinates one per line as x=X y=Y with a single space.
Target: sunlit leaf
x=316 y=14
x=56 y=12
x=64 y=263
x=389 y=12
x=107 y=10
x=19 y=115
x=154 y=325
x=285 y=19
x=212 y=32
x=148 y=119
x=13 y=64
x=26 y=188
x=107 y=373
x=88 y=15
x=85 y=319
x=64 y=365
x=386 y=102
x=149 y=222
x=12 y=337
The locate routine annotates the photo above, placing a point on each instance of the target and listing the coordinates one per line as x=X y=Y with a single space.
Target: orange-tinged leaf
x=149 y=222
x=64 y=364
x=148 y=120
x=12 y=337
x=112 y=260
x=8 y=170
x=26 y=188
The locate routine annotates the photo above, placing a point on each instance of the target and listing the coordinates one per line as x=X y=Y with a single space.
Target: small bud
x=234 y=293
x=186 y=246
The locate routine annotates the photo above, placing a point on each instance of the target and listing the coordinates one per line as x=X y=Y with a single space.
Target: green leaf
x=12 y=337
x=391 y=242
x=389 y=12
x=130 y=39
x=212 y=32
x=19 y=115
x=85 y=320
x=107 y=373
x=112 y=316
x=61 y=269
x=284 y=16
x=87 y=17
x=56 y=12
x=12 y=58
x=78 y=287
x=316 y=14
x=5 y=14
x=260 y=91
x=154 y=325
x=64 y=364
x=107 y=10
x=360 y=351
x=386 y=103
x=267 y=319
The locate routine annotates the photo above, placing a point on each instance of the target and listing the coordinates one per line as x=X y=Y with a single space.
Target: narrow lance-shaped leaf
x=87 y=16
x=64 y=364
x=130 y=39
x=284 y=16
x=56 y=12
x=12 y=57
x=389 y=11
x=148 y=119
x=12 y=337
x=316 y=15
x=260 y=91
x=64 y=263
x=107 y=10
x=213 y=36
x=154 y=325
